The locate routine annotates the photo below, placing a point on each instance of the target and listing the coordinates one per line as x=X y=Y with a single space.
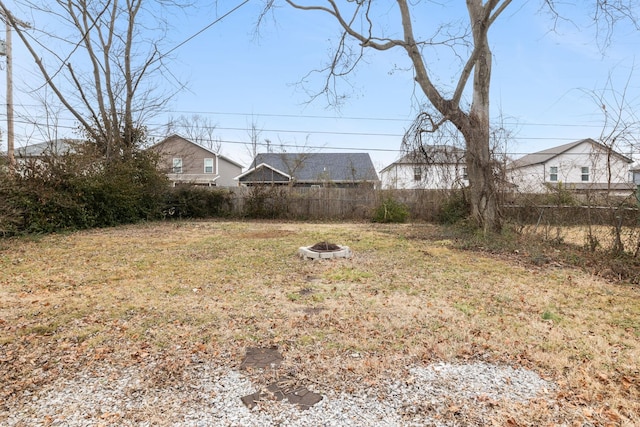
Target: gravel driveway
x=209 y=394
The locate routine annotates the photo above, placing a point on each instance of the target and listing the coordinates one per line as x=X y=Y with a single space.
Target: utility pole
x=9 y=54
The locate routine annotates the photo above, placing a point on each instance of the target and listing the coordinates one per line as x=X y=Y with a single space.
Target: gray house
x=311 y=170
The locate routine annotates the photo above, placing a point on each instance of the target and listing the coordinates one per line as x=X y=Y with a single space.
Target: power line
x=312 y=132
x=348 y=118
x=342 y=148
x=295 y=116
x=314 y=147
x=188 y=39
x=377 y=119
x=318 y=132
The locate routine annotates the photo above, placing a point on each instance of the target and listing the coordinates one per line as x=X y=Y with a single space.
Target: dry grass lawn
x=167 y=290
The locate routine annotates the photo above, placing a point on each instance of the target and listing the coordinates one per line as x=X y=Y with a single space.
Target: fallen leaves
x=188 y=290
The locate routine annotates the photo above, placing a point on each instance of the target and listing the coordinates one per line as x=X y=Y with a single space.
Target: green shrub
x=454 y=210
x=266 y=202
x=77 y=191
x=560 y=195
x=196 y=202
x=391 y=211
x=124 y=191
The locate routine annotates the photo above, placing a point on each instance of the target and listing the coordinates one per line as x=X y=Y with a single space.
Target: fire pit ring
x=324 y=250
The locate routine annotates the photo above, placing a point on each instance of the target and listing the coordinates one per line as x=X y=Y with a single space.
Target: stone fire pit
x=324 y=250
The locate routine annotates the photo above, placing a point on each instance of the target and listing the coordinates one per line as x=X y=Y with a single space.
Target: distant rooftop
x=52 y=147
x=548 y=154
x=310 y=166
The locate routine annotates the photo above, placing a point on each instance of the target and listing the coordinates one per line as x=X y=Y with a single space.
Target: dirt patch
x=325 y=247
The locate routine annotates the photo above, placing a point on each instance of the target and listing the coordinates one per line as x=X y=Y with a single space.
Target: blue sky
x=236 y=78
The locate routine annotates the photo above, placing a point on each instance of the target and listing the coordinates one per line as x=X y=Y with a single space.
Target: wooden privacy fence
x=327 y=203
x=303 y=202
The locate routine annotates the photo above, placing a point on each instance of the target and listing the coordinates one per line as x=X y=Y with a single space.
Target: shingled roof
x=431 y=155
x=546 y=155
x=47 y=148
x=316 y=167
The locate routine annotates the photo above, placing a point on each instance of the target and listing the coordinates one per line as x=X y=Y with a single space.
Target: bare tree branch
x=110 y=96
x=472 y=80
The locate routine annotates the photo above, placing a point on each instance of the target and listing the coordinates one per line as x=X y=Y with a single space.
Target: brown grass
x=579 y=235
x=407 y=296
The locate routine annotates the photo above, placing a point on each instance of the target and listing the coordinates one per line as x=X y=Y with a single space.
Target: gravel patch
x=477 y=380
x=205 y=394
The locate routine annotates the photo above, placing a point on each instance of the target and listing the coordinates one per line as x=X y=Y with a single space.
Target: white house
x=434 y=167
x=54 y=147
x=44 y=152
x=581 y=166
x=635 y=175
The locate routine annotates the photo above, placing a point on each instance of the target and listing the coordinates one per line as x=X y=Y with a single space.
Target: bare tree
x=195 y=128
x=606 y=15
x=620 y=123
x=436 y=152
x=254 y=135
x=357 y=22
x=620 y=129
x=469 y=43
x=45 y=121
x=98 y=62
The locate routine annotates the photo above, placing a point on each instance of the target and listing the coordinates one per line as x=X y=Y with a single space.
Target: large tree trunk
x=482 y=191
x=473 y=124
x=480 y=167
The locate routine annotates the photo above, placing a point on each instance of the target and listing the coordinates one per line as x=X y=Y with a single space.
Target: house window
x=417 y=173
x=585 y=174
x=465 y=175
x=553 y=173
x=208 y=165
x=177 y=165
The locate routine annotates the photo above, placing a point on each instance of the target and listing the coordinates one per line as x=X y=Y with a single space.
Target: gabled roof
x=53 y=147
x=431 y=155
x=318 y=167
x=545 y=155
x=176 y=136
x=260 y=177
